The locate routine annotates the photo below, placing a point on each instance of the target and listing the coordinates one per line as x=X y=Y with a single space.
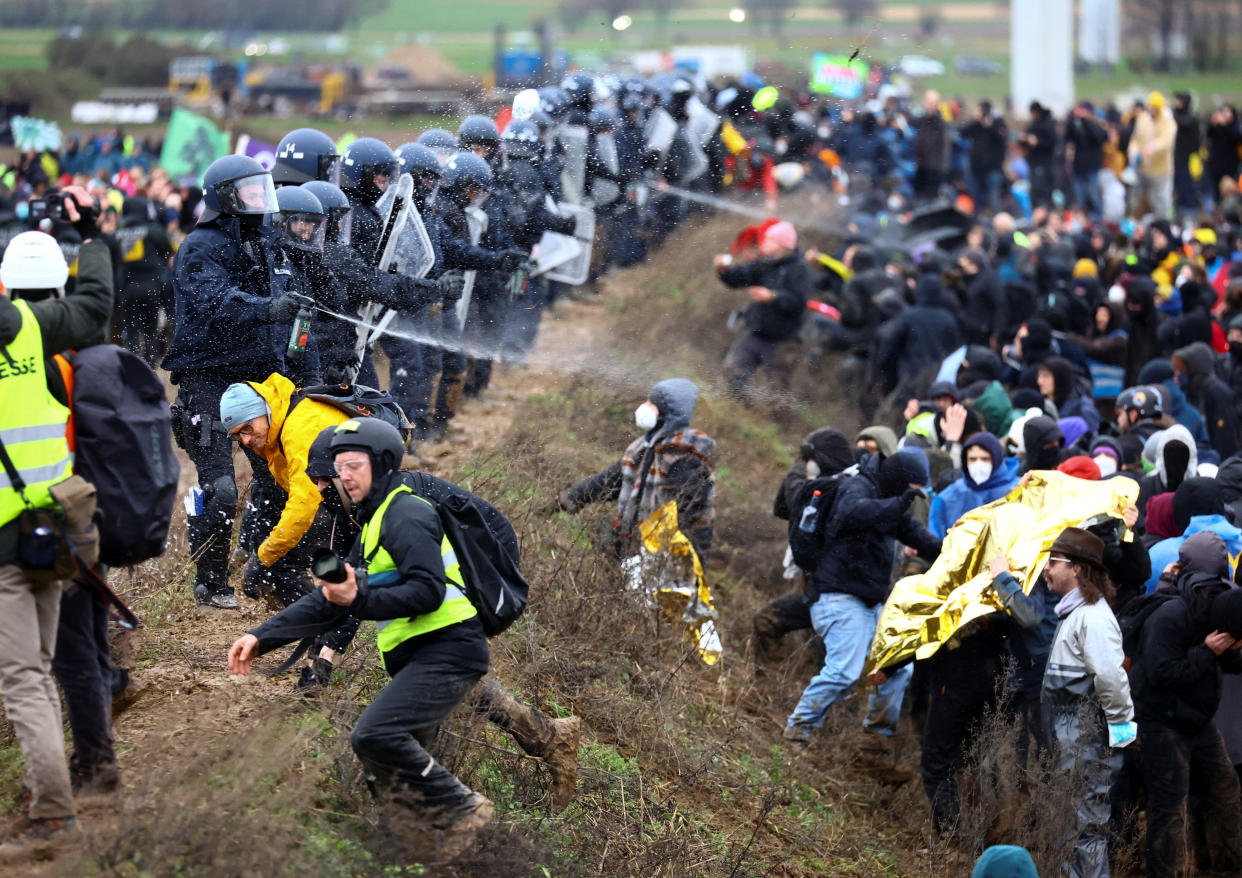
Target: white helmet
x=33 y=261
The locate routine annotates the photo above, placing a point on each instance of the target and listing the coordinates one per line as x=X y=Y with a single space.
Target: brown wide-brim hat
x=1079 y=545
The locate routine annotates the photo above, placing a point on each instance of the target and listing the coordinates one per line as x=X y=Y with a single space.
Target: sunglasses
x=1052 y=558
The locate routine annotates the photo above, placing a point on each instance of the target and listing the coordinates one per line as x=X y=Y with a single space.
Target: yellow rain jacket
x=289 y=440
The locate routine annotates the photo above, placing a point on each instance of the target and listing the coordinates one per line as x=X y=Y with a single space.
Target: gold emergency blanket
x=924 y=611
x=669 y=571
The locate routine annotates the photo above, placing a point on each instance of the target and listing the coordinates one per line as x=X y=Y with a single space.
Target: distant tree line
x=287 y=15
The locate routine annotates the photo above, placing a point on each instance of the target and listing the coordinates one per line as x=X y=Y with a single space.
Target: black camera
x=46 y=208
x=328 y=566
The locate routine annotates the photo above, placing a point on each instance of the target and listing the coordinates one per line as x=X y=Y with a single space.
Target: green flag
x=191 y=144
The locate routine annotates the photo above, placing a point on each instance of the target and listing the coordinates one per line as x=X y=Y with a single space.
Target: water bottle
x=810 y=514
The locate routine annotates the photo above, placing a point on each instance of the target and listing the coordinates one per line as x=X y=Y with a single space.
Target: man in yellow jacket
x=266 y=419
x=1151 y=155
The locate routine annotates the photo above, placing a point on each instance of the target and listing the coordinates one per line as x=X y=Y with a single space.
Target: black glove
x=566 y=225
x=87 y=223
x=908 y=496
x=510 y=260
x=285 y=307
x=452 y=285
x=418 y=292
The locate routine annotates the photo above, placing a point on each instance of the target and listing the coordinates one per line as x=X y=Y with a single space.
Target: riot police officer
x=306 y=154
x=236 y=298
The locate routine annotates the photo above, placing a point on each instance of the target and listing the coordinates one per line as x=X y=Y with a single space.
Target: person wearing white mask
x=1106 y=452
x=670 y=461
x=988 y=476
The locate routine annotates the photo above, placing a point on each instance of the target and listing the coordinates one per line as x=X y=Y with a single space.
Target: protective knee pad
x=220 y=504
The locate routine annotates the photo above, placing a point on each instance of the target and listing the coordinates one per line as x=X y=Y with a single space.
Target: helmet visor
x=248 y=195
x=305 y=231
x=343 y=221
x=330 y=169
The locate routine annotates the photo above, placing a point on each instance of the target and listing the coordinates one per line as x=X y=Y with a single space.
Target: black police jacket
x=224 y=283
x=529 y=216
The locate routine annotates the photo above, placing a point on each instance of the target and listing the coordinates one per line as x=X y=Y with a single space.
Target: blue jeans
x=846 y=625
x=1087 y=193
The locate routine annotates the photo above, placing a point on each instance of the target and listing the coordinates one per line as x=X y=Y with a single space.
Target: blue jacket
x=859 y=534
x=223 y=287
x=964 y=495
x=1164 y=553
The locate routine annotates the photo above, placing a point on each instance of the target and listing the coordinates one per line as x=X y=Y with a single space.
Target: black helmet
x=553 y=101
x=237 y=185
x=1145 y=399
x=364 y=160
x=541 y=119
x=477 y=130
x=416 y=159
x=340 y=211
x=521 y=139
x=304 y=155
x=601 y=119
x=379 y=439
x=301 y=217
x=579 y=88
x=319 y=457
x=463 y=171
x=443 y=144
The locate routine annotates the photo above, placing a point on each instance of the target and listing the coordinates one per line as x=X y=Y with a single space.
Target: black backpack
x=808 y=546
x=1134 y=616
x=357 y=401
x=486 y=547
x=123 y=430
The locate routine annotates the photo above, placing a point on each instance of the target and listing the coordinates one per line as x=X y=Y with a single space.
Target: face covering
x=1235 y=349
x=979 y=470
x=646 y=416
x=1107 y=464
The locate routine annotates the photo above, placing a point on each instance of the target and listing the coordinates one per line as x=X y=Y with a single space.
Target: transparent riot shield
x=576 y=270
x=604 y=191
x=573 y=141
x=476 y=220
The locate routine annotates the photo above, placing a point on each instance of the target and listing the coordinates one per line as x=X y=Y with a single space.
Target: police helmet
x=380 y=440
x=579 y=88
x=301 y=217
x=553 y=101
x=466 y=169
x=601 y=119
x=303 y=155
x=364 y=160
x=521 y=139
x=340 y=211
x=478 y=130
x=237 y=185
x=542 y=119
x=443 y=144
x=1145 y=399
x=416 y=159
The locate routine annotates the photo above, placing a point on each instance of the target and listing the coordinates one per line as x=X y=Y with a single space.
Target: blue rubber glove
x=1122 y=734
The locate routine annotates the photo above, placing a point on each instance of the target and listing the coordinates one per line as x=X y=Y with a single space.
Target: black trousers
x=83 y=666
x=1177 y=765
x=778 y=617
x=393 y=733
x=199 y=432
x=963 y=686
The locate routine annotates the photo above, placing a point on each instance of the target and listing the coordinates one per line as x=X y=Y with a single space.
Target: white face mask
x=1107 y=464
x=646 y=415
x=980 y=471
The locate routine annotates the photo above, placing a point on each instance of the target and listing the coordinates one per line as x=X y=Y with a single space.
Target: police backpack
x=122 y=431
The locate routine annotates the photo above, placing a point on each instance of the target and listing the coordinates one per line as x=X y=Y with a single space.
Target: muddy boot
x=876 y=759
x=555 y=741
x=457 y=828
x=42 y=839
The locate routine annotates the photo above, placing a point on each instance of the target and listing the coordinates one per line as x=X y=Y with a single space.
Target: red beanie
x=1081 y=467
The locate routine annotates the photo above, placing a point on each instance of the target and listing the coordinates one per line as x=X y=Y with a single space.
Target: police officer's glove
x=452 y=285
x=285 y=307
x=908 y=496
x=417 y=292
x=566 y=225
x=511 y=260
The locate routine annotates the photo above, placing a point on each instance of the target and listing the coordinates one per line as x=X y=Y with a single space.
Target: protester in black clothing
x=1086 y=136
x=988 y=136
x=1188 y=141
x=1040 y=139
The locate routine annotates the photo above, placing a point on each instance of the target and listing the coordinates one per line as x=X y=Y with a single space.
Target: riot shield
x=702 y=123
x=412 y=253
x=573 y=141
x=476 y=220
x=576 y=270
x=659 y=131
x=696 y=158
x=605 y=191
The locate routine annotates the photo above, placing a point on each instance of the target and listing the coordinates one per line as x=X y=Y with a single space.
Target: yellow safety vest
x=32 y=423
x=382 y=570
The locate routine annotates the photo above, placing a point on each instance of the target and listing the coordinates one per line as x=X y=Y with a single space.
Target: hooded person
x=1107 y=346
x=985 y=311
x=1229 y=477
x=670 y=461
x=824 y=452
x=1144 y=323
x=1058 y=383
x=980 y=366
x=402 y=573
x=1197 y=507
x=1229 y=366
x=995 y=408
x=851 y=582
x=987 y=475
x=876 y=440
x=1161 y=374
x=1043 y=442
x=1194 y=370
x=914 y=342
x=1107 y=454
x=270 y=420
x=1184 y=649
x=1175 y=458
